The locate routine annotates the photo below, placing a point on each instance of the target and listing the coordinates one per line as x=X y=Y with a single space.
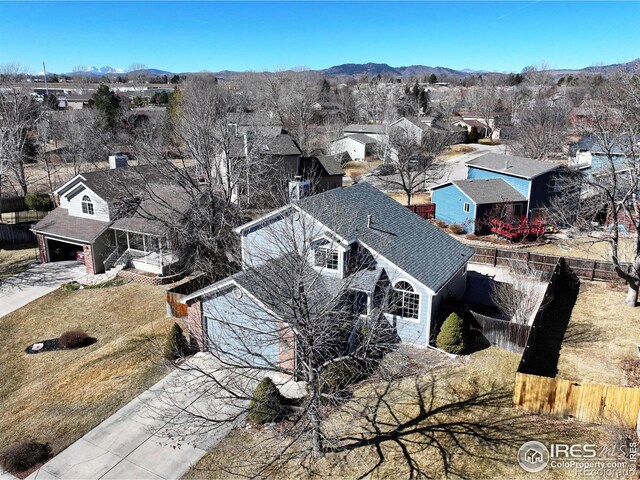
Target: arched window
x=405 y=301
x=87 y=205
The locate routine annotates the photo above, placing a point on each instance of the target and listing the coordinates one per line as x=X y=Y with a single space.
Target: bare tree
x=608 y=192
x=19 y=116
x=539 y=128
x=416 y=165
x=522 y=296
x=375 y=102
x=293 y=96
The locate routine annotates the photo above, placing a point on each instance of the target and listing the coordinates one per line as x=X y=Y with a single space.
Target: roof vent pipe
x=506 y=164
x=369 y=221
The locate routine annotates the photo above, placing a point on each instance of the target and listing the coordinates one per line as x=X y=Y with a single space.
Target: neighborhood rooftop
x=361 y=128
x=405 y=239
x=511 y=165
x=489 y=190
x=362 y=138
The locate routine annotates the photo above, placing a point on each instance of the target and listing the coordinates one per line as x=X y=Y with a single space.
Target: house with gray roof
x=359 y=248
x=516 y=189
x=357 y=146
x=94 y=224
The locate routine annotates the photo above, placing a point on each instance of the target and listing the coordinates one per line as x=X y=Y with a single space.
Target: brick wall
x=42 y=248
x=135 y=276
x=286 y=348
x=195 y=325
x=88 y=258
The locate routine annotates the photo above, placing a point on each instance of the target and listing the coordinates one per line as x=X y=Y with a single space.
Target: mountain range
x=371 y=69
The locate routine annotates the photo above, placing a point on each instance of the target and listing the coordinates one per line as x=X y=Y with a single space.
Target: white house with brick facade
x=87 y=226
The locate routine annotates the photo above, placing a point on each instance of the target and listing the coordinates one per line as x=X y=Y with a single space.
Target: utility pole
x=46 y=85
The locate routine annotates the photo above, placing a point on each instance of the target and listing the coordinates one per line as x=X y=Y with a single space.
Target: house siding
x=453 y=289
x=240 y=325
x=357 y=151
x=540 y=195
x=450 y=202
x=74 y=206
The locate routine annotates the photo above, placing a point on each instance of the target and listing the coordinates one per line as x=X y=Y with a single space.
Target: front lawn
x=16 y=258
x=57 y=397
x=489 y=372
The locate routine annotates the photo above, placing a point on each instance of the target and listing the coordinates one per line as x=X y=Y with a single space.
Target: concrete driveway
x=36 y=281
x=155 y=436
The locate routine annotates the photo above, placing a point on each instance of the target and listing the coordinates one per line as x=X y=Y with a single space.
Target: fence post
x=528 y=259
x=495 y=257
x=593 y=270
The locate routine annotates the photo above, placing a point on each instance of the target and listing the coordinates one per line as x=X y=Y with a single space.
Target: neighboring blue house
x=590 y=156
x=471 y=202
x=520 y=187
x=364 y=250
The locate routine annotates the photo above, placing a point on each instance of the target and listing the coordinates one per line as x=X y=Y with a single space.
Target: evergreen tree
x=108 y=104
x=432 y=78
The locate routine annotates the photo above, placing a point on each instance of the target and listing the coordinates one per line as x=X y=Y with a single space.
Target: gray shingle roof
x=115 y=184
x=61 y=224
x=492 y=190
x=516 y=166
x=282 y=144
x=402 y=237
x=361 y=128
x=330 y=164
x=362 y=138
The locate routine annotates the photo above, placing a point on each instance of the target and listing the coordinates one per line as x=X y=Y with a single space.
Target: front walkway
x=151 y=437
x=36 y=281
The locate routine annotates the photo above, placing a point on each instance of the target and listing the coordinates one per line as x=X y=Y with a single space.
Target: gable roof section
x=330 y=164
x=362 y=128
x=282 y=144
x=59 y=223
x=510 y=165
x=408 y=241
x=361 y=138
x=486 y=191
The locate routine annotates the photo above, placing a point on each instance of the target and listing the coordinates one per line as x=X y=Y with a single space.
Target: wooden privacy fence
x=502 y=334
x=427 y=211
x=174 y=307
x=16 y=234
x=587 y=402
x=583 y=268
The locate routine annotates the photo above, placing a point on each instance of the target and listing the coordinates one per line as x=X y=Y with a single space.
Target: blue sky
x=195 y=36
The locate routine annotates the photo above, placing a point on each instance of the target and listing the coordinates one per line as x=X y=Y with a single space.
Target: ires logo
x=563 y=450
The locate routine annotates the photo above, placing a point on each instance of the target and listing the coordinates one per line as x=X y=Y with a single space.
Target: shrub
x=176 y=345
x=456 y=228
x=473 y=136
x=20 y=457
x=267 y=404
x=453 y=335
x=75 y=339
x=338 y=376
x=440 y=223
x=38 y=201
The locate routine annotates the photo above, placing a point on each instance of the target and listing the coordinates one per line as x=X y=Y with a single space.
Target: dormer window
x=87 y=205
x=326 y=258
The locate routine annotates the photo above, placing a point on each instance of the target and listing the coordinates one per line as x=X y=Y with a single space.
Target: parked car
x=80 y=258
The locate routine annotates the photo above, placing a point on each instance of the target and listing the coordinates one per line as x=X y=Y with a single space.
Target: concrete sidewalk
x=36 y=281
x=155 y=436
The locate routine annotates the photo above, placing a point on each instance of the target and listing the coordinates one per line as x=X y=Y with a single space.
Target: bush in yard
x=176 y=345
x=456 y=228
x=267 y=404
x=339 y=375
x=75 y=339
x=38 y=201
x=453 y=336
x=20 y=457
x=440 y=223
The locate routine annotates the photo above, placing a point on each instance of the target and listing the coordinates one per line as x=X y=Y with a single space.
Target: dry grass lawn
x=601 y=333
x=59 y=396
x=357 y=169
x=16 y=259
x=417 y=199
x=490 y=370
x=584 y=247
x=455 y=150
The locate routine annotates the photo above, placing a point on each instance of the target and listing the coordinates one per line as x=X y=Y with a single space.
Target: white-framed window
x=87 y=205
x=326 y=258
x=467 y=207
x=405 y=302
x=555 y=185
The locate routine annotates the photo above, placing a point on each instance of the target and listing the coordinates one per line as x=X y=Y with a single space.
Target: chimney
x=118 y=160
x=369 y=221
